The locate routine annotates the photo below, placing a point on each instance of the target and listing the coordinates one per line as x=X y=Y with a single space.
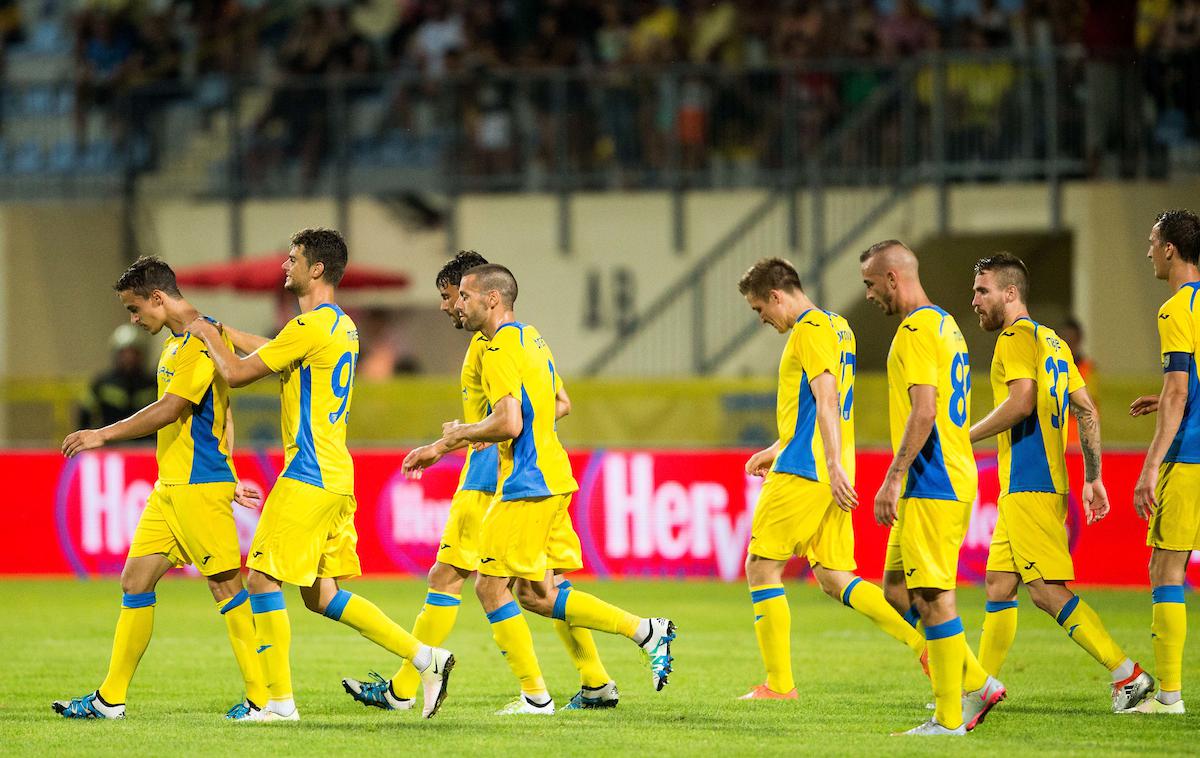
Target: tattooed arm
x=1095 y=498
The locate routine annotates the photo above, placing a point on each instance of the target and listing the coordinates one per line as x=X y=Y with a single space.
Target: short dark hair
x=769 y=274
x=452 y=272
x=324 y=246
x=1010 y=269
x=147 y=274
x=493 y=276
x=1181 y=228
x=879 y=247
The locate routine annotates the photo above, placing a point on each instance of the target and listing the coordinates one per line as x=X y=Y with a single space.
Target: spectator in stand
x=907 y=31
x=103 y=64
x=439 y=34
x=1072 y=334
x=124 y=388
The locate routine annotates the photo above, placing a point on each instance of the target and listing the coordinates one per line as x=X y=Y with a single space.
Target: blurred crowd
x=474 y=71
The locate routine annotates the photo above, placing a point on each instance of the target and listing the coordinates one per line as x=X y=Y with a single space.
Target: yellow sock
x=578 y=608
x=432 y=627
x=1169 y=630
x=974 y=675
x=868 y=599
x=581 y=648
x=511 y=632
x=773 y=629
x=364 y=617
x=1085 y=628
x=274 y=632
x=947 y=650
x=134 y=627
x=239 y=623
x=999 y=631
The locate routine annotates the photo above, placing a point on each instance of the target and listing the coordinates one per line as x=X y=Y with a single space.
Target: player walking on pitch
x=306 y=535
x=1034 y=381
x=524 y=523
x=188 y=516
x=805 y=504
x=927 y=494
x=458 y=556
x=1168 y=489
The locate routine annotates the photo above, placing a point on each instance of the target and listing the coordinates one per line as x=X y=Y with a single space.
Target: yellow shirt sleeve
x=1016 y=351
x=193 y=371
x=819 y=351
x=917 y=349
x=502 y=368
x=1175 y=327
x=293 y=343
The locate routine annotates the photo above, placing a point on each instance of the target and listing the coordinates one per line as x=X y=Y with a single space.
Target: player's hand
x=760 y=463
x=1143 y=406
x=418 y=460
x=202 y=325
x=84 y=439
x=1143 y=493
x=843 y=491
x=1095 y=501
x=247 y=495
x=452 y=433
x=886 y=501
x=478 y=446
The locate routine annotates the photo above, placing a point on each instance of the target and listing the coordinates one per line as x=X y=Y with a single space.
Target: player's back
x=315 y=355
x=929 y=349
x=1179 y=333
x=1032 y=454
x=819 y=342
x=480 y=469
x=534 y=464
x=194 y=448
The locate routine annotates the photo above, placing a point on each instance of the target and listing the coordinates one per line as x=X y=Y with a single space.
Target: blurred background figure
x=1072 y=332
x=124 y=388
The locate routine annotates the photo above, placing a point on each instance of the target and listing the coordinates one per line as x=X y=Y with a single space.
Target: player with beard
x=1034 y=381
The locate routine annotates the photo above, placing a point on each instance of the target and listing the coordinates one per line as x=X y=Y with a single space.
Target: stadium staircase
x=696 y=326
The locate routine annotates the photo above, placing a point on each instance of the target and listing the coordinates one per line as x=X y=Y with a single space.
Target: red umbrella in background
x=264 y=274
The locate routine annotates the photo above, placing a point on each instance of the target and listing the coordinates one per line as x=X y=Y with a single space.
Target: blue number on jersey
x=341 y=389
x=1059 y=372
x=848 y=362
x=960 y=382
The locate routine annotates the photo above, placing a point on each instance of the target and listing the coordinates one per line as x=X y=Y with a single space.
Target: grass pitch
x=856 y=685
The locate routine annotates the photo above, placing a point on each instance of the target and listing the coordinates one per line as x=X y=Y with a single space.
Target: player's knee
x=312 y=601
x=133 y=583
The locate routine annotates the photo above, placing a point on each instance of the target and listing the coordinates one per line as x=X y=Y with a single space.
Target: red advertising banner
x=638 y=513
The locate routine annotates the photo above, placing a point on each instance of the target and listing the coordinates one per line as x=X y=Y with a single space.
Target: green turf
x=856 y=685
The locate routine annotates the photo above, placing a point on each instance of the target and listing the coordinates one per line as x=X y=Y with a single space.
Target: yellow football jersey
x=820 y=341
x=194 y=449
x=929 y=349
x=481 y=468
x=1179 y=335
x=315 y=356
x=1032 y=454
x=518 y=362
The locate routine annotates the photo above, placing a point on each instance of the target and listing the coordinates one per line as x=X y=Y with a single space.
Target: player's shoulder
x=186 y=346
x=513 y=334
x=928 y=319
x=477 y=346
x=1021 y=331
x=1180 y=303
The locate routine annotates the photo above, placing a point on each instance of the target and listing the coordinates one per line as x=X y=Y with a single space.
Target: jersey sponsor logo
x=299 y=322
x=492 y=349
x=1029 y=566
x=486 y=560
x=910 y=328
x=261 y=648
x=1008 y=334
x=1164 y=316
x=1071 y=631
x=910 y=572
x=257 y=553
x=204 y=561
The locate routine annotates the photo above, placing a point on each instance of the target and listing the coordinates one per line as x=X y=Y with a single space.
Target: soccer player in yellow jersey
x=188 y=517
x=458 y=555
x=927 y=493
x=306 y=534
x=1034 y=382
x=1168 y=489
x=527 y=517
x=805 y=504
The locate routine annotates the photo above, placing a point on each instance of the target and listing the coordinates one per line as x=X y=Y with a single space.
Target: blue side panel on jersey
x=927 y=476
x=483 y=468
x=336 y=309
x=526 y=480
x=1185 y=448
x=209 y=464
x=304 y=466
x=1030 y=470
x=797 y=456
